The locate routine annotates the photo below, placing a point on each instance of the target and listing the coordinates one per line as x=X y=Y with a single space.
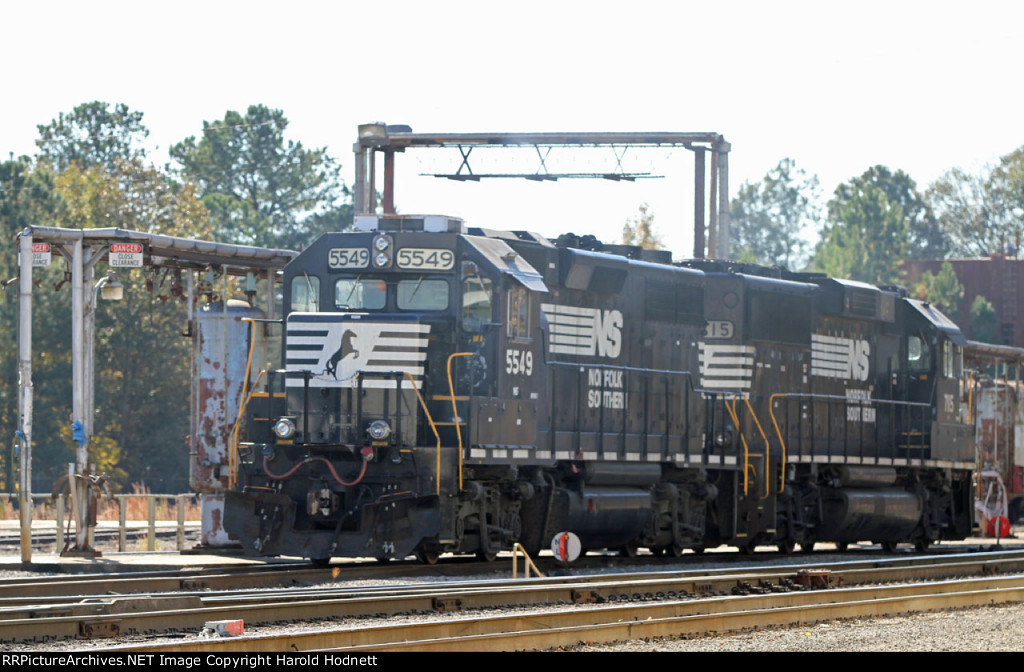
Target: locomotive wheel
x=699 y=550
x=674 y=550
x=747 y=548
x=787 y=547
x=889 y=546
x=320 y=562
x=658 y=551
x=921 y=545
x=427 y=557
x=628 y=550
x=841 y=546
x=807 y=547
x=486 y=556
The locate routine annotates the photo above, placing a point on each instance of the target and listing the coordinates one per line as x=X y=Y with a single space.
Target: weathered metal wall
x=220 y=357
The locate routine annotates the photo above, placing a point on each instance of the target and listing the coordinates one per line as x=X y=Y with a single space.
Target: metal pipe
x=359 y=188
x=78 y=371
x=722 y=148
x=25 y=393
x=713 y=210
x=371 y=181
x=78 y=346
x=389 y=181
x=698 y=203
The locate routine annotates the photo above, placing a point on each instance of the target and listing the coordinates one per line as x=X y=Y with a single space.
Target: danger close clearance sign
x=125 y=255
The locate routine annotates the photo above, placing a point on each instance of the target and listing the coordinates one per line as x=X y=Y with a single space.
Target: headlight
x=284 y=428
x=379 y=430
x=384 y=249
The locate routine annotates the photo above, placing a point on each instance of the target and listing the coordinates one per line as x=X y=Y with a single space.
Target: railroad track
x=618 y=604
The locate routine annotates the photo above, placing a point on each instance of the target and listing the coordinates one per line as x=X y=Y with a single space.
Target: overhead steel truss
x=389 y=140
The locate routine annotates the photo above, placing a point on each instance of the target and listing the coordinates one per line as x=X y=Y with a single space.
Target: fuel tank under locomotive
x=611 y=507
x=868 y=505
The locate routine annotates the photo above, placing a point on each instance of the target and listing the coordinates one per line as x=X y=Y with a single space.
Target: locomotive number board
x=426 y=258
x=348 y=257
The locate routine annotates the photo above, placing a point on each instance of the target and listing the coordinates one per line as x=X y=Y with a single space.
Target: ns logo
x=584 y=331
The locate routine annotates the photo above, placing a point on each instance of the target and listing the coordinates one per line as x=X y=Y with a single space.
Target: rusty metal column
x=24 y=435
x=722 y=148
x=389 y=181
x=698 y=203
x=359 y=188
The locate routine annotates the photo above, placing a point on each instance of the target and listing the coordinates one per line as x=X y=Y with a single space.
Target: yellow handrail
x=455 y=410
x=778 y=432
x=528 y=562
x=746 y=449
x=767 y=449
x=233 y=436
x=433 y=427
x=743 y=440
x=243 y=402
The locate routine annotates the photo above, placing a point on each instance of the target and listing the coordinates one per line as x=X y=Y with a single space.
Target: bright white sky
x=837 y=86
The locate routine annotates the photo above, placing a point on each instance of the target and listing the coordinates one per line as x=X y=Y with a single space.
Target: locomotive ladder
x=747 y=455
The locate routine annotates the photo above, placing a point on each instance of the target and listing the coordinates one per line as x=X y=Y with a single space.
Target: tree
x=260 y=189
x=769 y=219
x=866 y=237
x=28 y=196
x=943 y=290
x=1005 y=191
x=131 y=195
x=640 y=231
x=93 y=134
x=981 y=213
x=925 y=238
x=984 y=320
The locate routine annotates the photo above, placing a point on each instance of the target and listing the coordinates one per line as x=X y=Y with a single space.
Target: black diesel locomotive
x=462 y=390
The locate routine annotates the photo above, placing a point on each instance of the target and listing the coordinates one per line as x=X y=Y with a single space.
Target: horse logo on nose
x=344 y=350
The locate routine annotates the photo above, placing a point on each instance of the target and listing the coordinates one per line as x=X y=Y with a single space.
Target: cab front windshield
x=414 y=293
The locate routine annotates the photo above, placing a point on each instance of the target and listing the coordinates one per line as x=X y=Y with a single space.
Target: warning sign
x=125 y=255
x=40 y=254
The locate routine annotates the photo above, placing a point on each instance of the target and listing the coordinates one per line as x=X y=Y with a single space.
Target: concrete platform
x=169 y=561
x=113 y=562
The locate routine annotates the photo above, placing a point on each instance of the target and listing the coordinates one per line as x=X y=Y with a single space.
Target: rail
x=53 y=517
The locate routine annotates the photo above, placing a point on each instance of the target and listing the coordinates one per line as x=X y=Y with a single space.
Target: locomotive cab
x=391 y=333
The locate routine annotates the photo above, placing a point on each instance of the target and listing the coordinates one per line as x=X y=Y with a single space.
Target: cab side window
x=518 y=313
x=305 y=293
x=476 y=302
x=952 y=360
x=919 y=358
